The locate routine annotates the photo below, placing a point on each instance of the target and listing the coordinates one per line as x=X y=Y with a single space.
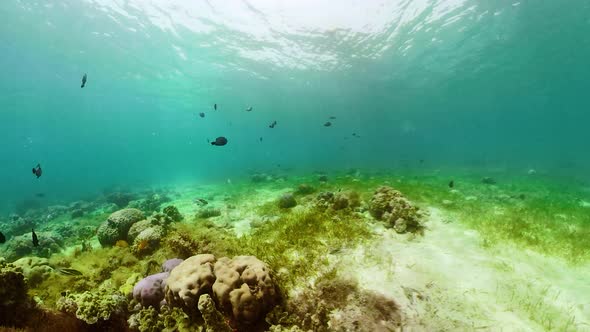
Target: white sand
x=446 y=281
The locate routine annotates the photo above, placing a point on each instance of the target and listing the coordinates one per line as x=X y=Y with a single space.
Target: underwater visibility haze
x=379 y=165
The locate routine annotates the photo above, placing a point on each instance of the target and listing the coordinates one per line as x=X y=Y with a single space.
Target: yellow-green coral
x=214 y=320
x=92 y=306
x=166 y=320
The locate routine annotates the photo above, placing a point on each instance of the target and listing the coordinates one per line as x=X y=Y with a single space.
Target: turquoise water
x=476 y=111
x=455 y=83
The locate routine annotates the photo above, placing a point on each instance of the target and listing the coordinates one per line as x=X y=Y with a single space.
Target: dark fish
x=201 y=201
x=38 y=171
x=249 y=109
x=35 y=239
x=84 y=78
x=68 y=272
x=421 y=161
x=40 y=195
x=327 y=124
x=488 y=180
x=261 y=139
x=332 y=118
x=220 y=141
x=2 y=238
x=273 y=124
x=451 y=184
x=208 y=141
x=215 y=107
x=202 y=114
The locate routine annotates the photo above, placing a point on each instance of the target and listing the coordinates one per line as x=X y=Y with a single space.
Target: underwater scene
x=309 y=165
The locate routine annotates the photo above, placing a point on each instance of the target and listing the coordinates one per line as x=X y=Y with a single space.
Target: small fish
x=249 y=109
x=488 y=180
x=201 y=201
x=273 y=124
x=2 y=238
x=260 y=138
x=35 y=239
x=38 y=171
x=215 y=107
x=208 y=141
x=451 y=184
x=68 y=272
x=327 y=124
x=421 y=161
x=84 y=78
x=202 y=114
x=332 y=118
x=220 y=141
x=40 y=195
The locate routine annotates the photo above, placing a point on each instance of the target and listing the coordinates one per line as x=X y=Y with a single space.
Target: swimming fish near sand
x=84 y=78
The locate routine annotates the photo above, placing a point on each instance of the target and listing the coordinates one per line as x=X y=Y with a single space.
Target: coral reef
x=189 y=280
x=35 y=269
x=117 y=226
x=20 y=246
x=121 y=199
x=170 y=264
x=14 y=301
x=127 y=288
x=304 y=189
x=392 y=207
x=182 y=244
x=102 y=304
x=214 y=320
x=337 y=201
x=148 y=240
x=17 y=225
x=151 y=203
x=172 y=212
x=149 y=291
x=286 y=201
x=244 y=288
x=208 y=212
x=166 y=319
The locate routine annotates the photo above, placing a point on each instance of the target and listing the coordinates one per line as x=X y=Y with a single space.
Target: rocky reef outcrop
x=389 y=205
x=117 y=226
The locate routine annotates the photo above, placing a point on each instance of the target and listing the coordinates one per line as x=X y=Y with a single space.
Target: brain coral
x=189 y=280
x=244 y=288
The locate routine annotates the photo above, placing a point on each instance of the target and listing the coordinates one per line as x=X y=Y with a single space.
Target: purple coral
x=149 y=291
x=168 y=265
